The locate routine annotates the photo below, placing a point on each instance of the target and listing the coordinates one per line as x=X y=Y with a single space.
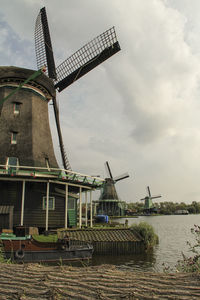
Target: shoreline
x=36 y=281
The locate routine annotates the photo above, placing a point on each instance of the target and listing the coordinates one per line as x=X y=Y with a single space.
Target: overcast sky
x=139 y=110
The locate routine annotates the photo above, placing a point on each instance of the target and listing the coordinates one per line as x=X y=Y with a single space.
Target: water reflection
x=142 y=262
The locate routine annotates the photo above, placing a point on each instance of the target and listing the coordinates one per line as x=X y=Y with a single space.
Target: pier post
x=22 y=206
x=66 y=204
x=47 y=206
x=86 y=207
x=80 y=207
x=91 y=216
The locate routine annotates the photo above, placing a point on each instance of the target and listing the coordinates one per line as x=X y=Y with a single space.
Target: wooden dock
x=108 y=240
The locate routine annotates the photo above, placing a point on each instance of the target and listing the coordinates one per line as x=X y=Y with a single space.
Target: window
x=51 y=203
x=71 y=203
x=16 y=108
x=13 y=137
x=12 y=161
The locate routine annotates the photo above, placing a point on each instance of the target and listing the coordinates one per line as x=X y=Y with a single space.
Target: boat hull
x=33 y=251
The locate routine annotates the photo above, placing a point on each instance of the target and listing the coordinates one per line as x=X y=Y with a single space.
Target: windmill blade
x=157 y=196
x=148 y=191
x=87 y=58
x=120 y=177
x=108 y=169
x=65 y=160
x=43 y=46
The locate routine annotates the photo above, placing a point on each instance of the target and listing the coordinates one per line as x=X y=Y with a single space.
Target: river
x=173 y=232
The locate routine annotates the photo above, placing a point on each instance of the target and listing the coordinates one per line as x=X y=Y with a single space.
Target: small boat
x=28 y=249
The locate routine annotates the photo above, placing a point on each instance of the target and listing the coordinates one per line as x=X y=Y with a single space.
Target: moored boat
x=28 y=249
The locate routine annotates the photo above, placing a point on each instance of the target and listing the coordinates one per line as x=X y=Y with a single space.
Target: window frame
x=12 y=166
x=44 y=201
x=14 y=137
x=16 y=108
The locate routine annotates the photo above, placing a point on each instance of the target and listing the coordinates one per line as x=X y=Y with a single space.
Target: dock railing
x=51 y=173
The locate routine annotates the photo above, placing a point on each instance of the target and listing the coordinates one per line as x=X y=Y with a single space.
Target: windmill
x=29 y=172
x=148 y=204
x=77 y=65
x=109 y=202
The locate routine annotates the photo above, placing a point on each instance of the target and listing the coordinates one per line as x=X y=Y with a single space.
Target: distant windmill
x=109 y=202
x=77 y=65
x=148 y=204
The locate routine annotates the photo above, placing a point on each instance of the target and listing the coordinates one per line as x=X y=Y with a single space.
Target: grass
x=51 y=238
x=146 y=231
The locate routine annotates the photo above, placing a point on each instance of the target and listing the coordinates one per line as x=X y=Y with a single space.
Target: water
x=173 y=232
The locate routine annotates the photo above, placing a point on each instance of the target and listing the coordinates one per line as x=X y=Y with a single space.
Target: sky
x=140 y=109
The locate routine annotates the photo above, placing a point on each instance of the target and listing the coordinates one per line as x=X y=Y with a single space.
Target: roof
x=104 y=235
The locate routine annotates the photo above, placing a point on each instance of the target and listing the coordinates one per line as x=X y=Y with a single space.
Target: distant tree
x=167 y=207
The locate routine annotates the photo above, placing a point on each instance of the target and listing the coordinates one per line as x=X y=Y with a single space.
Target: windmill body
x=109 y=202
x=35 y=191
x=24 y=120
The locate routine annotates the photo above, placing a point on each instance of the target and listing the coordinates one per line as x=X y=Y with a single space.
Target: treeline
x=166 y=208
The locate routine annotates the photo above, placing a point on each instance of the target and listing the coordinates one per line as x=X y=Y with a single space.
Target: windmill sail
x=148 y=191
x=65 y=160
x=120 y=177
x=86 y=58
x=43 y=46
x=108 y=170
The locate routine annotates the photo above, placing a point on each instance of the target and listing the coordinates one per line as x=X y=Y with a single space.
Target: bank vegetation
x=166 y=208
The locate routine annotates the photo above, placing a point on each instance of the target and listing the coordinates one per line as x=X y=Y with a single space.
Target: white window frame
x=14 y=138
x=12 y=166
x=51 y=207
x=16 y=108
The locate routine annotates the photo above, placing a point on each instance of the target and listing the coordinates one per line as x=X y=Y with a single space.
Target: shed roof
x=104 y=235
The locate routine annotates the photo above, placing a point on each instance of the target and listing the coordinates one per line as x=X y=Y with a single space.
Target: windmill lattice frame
x=81 y=62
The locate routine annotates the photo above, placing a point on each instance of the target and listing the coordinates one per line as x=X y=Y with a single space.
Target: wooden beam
x=47 y=206
x=86 y=208
x=80 y=207
x=91 y=216
x=66 y=204
x=22 y=204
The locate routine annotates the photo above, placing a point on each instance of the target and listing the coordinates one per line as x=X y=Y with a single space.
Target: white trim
x=66 y=204
x=47 y=207
x=80 y=207
x=22 y=206
x=86 y=208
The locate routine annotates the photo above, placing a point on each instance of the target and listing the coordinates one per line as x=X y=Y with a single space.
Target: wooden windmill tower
x=109 y=201
x=33 y=187
x=148 y=203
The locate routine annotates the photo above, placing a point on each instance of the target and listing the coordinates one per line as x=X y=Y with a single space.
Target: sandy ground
x=34 y=281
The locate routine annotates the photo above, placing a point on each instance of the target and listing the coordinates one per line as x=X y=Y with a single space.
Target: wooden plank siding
x=34 y=214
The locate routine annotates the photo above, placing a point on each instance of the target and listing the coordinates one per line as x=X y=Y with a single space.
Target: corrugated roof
x=104 y=235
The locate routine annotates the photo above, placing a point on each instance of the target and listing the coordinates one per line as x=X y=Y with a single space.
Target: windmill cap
x=12 y=74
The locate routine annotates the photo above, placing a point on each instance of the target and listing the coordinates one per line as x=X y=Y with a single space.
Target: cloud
x=140 y=109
